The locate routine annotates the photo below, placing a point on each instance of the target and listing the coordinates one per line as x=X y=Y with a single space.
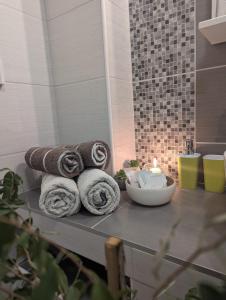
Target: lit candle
x=156 y=169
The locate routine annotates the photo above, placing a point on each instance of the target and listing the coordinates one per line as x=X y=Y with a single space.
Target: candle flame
x=155 y=162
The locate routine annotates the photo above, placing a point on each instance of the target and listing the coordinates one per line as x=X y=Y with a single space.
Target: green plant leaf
x=48 y=285
x=134 y=163
x=100 y=291
x=7 y=237
x=209 y=292
x=3 y=269
x=121 y=175
x=193 y=294
x=4 y=211
x=8 y=183
x=73 y=294
x=62 y=279
x=23 y=240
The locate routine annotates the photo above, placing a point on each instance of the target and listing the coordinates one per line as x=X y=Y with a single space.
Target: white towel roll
x=59 y=196
x=99 y=192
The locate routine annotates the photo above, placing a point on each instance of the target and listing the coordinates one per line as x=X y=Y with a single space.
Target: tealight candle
x=156 y=169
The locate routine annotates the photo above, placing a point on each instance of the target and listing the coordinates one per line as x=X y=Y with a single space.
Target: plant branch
x=188 y=264
x=89 y=274
x=10 y=293
x=18 y=274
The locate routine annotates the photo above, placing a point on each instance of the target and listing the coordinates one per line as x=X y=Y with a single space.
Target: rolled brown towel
x=57 y=161
x=95 y=154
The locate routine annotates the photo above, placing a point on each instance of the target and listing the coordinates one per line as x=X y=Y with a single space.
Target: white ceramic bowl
x=152 y=197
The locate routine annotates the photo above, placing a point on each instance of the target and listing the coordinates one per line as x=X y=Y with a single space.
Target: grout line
x=11 y=154
x=27 y=83
x=80 y=81
x=99 y=222
x=108 y=216
x=162 y=77
x=122 y=8
x=68 y=11
x=211 y=68
x=121 y=79
x=23 y=12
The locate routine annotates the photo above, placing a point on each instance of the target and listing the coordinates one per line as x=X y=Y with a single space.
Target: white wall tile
x=123 y=4
x=16 y=162
x=77 y=44
x=59 y=7
x=122 y=121
x=118 y=42
x=83 y=112
x=34 y=8
x=23 y=47
x=26 y=118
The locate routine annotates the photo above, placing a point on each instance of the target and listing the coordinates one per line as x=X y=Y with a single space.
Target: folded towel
x=59 y=196
x=99 y=192
x=95 y=154
x=57 y=161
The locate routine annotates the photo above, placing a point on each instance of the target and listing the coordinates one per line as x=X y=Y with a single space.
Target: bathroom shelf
x=214 y=30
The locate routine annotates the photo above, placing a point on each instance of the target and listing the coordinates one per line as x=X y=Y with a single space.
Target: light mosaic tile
x=162 y=37
x=164 y=119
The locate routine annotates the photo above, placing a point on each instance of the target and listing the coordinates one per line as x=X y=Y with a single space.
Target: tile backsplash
x=163 y=38
x=170 y=80
x=164 y=118
x=163 y=61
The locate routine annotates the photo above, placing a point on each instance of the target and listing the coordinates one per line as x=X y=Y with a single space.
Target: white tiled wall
x=56 y=8
x=27 y=114
x=64 y=38
x=120 y=80
x=34 y=8
x=82 y=111
x=77 y=48
x=77 y=44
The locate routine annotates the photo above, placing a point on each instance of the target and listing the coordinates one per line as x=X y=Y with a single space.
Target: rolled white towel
x=99 y=192
x=59 y=196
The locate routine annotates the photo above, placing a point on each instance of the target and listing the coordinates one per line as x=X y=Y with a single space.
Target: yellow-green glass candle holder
x=188 y=170
x=214 y=173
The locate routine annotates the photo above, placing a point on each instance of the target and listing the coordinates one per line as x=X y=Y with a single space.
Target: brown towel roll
x=95 y=154
x=57 y=161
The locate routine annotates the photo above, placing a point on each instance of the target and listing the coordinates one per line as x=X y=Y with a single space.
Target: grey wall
x=27 y=113
x=179 y=81
x=211 y=89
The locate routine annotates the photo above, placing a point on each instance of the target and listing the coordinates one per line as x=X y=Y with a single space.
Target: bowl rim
x=154 y=190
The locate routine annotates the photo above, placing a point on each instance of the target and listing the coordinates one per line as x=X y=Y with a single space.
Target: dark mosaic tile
x=164 y=119
x=162 y=37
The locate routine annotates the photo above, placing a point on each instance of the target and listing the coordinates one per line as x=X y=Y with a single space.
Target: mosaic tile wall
x=163 y=61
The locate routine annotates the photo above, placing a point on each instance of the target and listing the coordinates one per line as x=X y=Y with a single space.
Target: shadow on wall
x=39 y=58
x=43 y=117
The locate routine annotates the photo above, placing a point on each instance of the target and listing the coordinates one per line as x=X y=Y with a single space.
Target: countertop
x=143 y=227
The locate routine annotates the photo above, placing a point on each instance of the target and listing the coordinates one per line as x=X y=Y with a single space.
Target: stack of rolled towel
x=74 y=175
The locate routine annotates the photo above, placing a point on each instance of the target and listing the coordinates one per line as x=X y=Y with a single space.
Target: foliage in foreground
x=44 y=279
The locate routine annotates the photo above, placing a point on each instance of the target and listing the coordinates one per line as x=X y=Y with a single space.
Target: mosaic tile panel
x=164 y=119
x=162 y=37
